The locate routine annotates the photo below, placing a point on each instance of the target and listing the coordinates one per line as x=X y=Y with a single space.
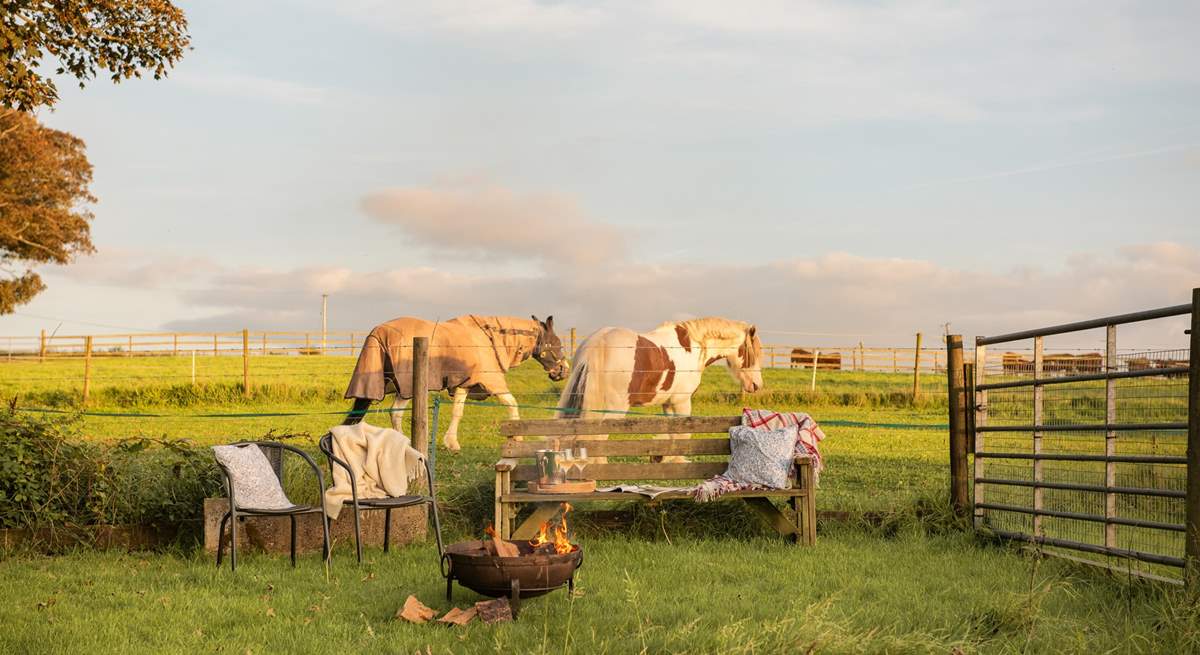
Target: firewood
x=458 y=616
x=414 y=611
x=494 y=611
x=505 y=548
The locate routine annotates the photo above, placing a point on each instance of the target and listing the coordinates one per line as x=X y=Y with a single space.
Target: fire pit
x=541 y=566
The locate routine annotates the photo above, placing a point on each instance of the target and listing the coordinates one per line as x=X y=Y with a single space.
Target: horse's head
x=747 y=366
x=549 y=350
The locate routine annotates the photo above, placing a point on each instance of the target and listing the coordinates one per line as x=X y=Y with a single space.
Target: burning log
x=500 y=547
x=555 y=540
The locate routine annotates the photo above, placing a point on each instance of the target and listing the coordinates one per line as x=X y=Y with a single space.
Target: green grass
x=855 y=592
x=721 y=583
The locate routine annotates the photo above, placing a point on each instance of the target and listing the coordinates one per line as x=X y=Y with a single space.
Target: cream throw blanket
x=382 y=460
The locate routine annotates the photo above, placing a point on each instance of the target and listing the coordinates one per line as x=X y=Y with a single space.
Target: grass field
x=681 y=578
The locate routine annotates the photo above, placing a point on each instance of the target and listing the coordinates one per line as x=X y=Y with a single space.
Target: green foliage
x=49 y=478
x=120 y=37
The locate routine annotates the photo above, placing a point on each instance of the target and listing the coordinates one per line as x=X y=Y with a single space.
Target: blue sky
x=846 y=168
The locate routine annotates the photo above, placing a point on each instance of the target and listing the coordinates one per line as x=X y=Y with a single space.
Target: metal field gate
x=1084 y=451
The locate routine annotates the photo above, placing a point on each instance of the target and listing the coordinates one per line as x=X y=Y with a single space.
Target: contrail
x=1054 y=166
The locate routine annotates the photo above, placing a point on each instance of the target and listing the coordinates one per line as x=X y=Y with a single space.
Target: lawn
x=678 y=577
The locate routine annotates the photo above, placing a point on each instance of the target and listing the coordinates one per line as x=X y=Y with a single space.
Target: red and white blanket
x=809 y=435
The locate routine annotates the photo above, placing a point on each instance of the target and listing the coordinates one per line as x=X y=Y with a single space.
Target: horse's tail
x=358 y=411
x=584 y=390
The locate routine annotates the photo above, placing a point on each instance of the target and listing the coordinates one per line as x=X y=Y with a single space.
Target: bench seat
x=515 y=469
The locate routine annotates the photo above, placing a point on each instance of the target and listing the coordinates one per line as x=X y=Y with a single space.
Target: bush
x=51 y=479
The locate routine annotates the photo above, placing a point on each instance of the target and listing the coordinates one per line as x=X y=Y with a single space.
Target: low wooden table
x=516 y=468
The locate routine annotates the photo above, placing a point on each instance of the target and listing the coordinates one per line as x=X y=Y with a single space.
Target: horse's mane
x=712 y=327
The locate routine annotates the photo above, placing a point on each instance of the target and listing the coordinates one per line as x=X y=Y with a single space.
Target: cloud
x=252 y=86
x=473 y=220
x=882 y=301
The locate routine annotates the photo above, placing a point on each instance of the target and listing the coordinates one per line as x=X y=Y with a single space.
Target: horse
x=468 y=357
x=616 y=368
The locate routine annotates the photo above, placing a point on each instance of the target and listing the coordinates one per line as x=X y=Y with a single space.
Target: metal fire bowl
x=516 y=577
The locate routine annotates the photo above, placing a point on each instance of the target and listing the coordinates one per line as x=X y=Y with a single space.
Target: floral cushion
x=762 y=457
x=254 y=483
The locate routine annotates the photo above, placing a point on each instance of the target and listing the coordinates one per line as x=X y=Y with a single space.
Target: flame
x=562 y=544
x=490 y=531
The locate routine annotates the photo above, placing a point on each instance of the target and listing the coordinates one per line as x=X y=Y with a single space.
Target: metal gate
x=1084 y=451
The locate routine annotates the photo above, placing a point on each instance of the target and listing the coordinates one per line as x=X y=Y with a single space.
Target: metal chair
x=386 y=504
x=273 y=450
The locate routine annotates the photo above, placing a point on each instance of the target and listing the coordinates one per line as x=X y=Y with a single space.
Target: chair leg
x=221 y=539
x=437 y=526
x=233 y=543
x=387 y=528
x=293 y=518
x=357 y=535
x=325 y=550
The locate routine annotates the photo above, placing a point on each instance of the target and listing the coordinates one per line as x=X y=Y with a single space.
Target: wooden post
x=816 y=355
x=352 y=346
x=572 y=353
x=862 y=365
x=895 y=364
x=245 y=363
x=981 y=414
x=1038 y=418
x=264 y=343
x=174 y=345
x=87 y=367
x=129 y=353
x=916 y=392
x=214 y=344
x=307 y=343
x=1192 y=535
x=956 y=385
x=42 y=347
x=420 y=400
x=1110 y=437
x=324 y=322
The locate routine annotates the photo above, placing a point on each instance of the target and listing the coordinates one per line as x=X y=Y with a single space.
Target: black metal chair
x=273 y=450
x=386 y=504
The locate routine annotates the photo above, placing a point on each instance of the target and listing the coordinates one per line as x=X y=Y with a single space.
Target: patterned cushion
x=762 y=457
x=254 y=483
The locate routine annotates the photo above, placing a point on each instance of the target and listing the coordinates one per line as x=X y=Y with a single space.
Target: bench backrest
x=710 y=436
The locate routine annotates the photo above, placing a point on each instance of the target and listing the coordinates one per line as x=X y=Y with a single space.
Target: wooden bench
x=517 y=468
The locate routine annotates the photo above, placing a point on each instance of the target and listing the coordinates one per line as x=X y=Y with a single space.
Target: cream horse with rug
x=468 y=356
x=616 y=368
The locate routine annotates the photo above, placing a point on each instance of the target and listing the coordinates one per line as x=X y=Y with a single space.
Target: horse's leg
x=456 y=412
x=681 y=406
x=358 y=411
x=397 y=413
x=508 y=401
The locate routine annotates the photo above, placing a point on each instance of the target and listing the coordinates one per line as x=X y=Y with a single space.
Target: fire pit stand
x=533 y=573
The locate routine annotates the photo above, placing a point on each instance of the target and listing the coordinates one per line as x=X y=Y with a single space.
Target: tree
x=122 y=37
x=44 y=177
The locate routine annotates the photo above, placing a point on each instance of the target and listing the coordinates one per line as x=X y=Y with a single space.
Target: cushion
x=762 y=457
x=254 y=483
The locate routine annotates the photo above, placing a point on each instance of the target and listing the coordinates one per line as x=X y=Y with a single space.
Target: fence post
x=129 y=353
x=174 y=344
x=87 y=367
x=916 y=392
x=862 y=365
x=214 y=344
x=955 y=383
x=572 y=353
x=42 y=347
x=193 y=367
x=816 y=358
x=980 y=419
x=895 y=363
x=420 y=390
x=1110 y=437
x=245 y=362
x=1192 y=535
x=1039 y=495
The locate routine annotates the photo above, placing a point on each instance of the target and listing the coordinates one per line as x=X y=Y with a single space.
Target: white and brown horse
x=468 y=356
x=616 y=368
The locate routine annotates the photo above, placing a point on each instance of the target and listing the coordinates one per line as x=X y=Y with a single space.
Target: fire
x=556 y=535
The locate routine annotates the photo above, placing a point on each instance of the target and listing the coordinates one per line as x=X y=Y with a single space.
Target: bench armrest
x=802 y=462
x=506 y=464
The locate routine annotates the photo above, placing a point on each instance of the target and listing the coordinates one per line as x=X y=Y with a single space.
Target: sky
x=831 y=171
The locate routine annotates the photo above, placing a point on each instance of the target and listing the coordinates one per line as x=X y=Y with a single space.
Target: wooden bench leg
x=773 y=516
x=542 y=513
x=798 y=516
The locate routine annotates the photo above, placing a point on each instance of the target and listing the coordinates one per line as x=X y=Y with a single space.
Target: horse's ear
x=752 y=331
x=550 y=322
x=535 y=318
